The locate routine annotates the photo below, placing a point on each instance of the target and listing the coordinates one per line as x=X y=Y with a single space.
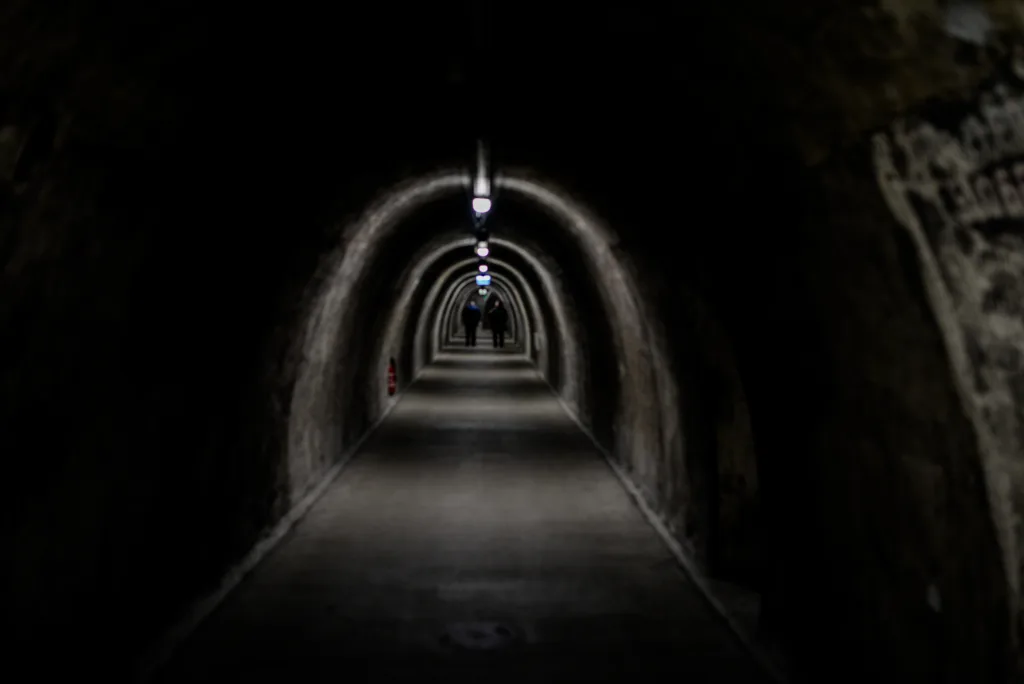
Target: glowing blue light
x=483 y=280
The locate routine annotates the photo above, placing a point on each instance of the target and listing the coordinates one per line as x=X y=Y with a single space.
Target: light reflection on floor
x=492 y=388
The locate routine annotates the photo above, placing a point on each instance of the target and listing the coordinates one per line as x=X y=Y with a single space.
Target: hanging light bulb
x=481 y=205
x=481 y=249
x=483 y=268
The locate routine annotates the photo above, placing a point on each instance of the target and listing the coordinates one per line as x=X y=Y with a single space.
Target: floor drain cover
x=479 y=636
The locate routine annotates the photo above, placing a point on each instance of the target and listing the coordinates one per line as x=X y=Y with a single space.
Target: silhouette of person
x=499 y=321
x=470 y=319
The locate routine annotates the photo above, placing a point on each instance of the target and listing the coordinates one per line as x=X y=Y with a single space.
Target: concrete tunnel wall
x=888 y=479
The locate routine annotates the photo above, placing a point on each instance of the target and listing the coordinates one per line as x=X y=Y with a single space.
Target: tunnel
x=758 y=417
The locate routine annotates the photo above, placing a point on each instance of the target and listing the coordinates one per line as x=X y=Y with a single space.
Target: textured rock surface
x=952 y=179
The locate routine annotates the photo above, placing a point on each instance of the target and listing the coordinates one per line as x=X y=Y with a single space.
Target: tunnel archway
x=466 y=291
x=423 y=331
x=639 y=420
x=644 y=399
x=413 y=330
x=555 y=350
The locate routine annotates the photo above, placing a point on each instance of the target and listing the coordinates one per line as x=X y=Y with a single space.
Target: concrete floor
x=477 y=537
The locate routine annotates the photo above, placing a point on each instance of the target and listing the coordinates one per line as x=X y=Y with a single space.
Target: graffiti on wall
x=955 y=179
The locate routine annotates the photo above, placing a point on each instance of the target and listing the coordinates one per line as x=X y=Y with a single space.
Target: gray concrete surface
x=477 y=537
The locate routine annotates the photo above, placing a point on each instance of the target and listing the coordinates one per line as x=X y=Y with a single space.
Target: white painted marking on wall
x=963 y=178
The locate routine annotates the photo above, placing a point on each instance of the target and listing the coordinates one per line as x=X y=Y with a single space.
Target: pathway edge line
x=688 y=567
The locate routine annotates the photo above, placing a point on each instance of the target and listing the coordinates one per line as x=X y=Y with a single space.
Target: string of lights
x=481 y=205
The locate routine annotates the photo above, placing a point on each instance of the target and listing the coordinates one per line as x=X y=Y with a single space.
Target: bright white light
x=483 y=280
x=481 y=205
x=481 y=249
x=483 y=268
x=483 y=291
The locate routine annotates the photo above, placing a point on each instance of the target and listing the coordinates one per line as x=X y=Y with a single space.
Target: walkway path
x=478 y=537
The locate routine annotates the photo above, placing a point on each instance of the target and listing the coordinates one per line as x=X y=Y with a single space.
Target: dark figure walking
x=499 y=320
x=470 y=319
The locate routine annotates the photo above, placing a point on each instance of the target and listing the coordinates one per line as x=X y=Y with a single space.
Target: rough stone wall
x=910 y=558
x=945 y=159
x=953 y=179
